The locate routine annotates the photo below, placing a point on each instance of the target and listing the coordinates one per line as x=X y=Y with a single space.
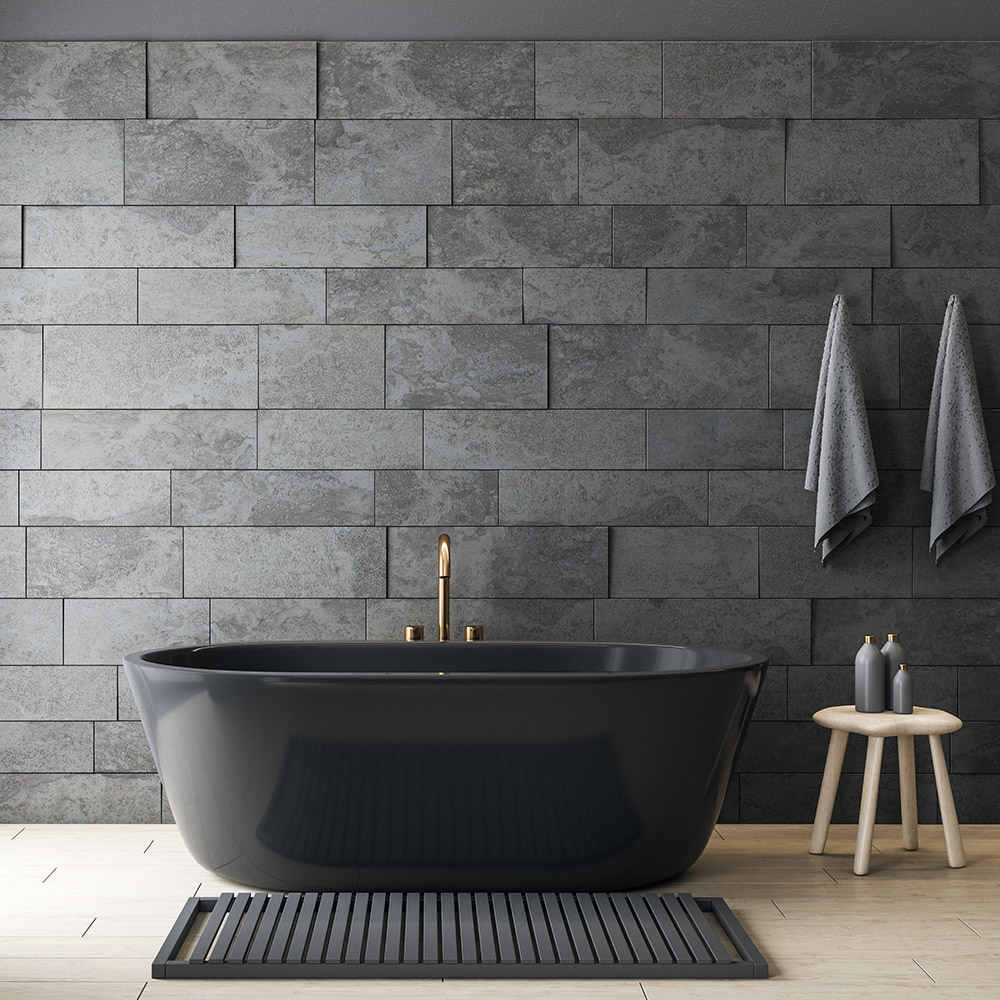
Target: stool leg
x=908 y=792
x=869 y=800
x=949 y=818
x=828 y=790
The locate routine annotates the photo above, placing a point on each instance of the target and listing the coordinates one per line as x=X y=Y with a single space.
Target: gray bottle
x=894 y=656
x=869 y=677
x=902 y=691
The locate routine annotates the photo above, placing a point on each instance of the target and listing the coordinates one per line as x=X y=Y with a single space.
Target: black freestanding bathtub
x=445 y=766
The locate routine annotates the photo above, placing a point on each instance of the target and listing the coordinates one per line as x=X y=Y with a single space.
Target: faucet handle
x=473 y=633
x=414 y=633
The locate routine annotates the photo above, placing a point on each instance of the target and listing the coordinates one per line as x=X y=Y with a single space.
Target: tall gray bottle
x=893 y=654
x=902 y=691
x=869 y=677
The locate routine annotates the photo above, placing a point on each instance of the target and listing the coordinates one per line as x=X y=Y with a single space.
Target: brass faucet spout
x=444 y=588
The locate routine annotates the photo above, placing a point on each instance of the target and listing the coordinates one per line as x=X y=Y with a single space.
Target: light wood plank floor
x=88 y=906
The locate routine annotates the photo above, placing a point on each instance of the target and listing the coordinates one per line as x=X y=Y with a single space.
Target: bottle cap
x=871 y=638
x=902 y=666
x=892 y=637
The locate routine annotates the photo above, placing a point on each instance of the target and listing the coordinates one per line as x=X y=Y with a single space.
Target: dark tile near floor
x=975 y=748
x=977 y=797
x=798 y=747
x=731 y=803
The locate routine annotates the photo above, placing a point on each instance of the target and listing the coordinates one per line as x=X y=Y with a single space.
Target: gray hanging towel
x=841 y=470
x=957 y=469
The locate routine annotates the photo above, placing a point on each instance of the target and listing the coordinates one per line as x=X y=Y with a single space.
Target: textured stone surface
x=431 y=496
x=55 y=693
x=918 y=347
x=225 y=295
x=818 y=236
x=150 y=367
x=128 y=236
x=322 y=366
x=12 y=562
x=149 y=439
x=67 y=295
x=383 y=162
x=232 y=79
x=424 y=295
x=736 y=80
x=920 y=294
x=878 y=162
x=271 y=498
x=724 y=161
x=340 y=439
x=967 y=571
x=602 y=497
x=680 y=236
x=19 y=439
x=465 y=367
x=989 y=161
x=279 y=619
x=284 y=562
x=80 y=798
x=683 y=562
x=584 y=295
x=188 y=162
x=518 y=236
x=566 y=439
x=111 y=497
x=946 y=236
x=8 y=497
x=340 y=236
x=597 y=79
x=46 y=746
x=714 y=439
x=20 y=367
x=515 y=163
x=502 y=562
x=121 y=747
x=426 y=79
x=658 y=366
x=30 y=631
x=978 y=693
x=10 y=236
x=758 y=497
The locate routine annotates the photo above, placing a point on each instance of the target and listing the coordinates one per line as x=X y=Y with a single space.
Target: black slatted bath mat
x=453 y=935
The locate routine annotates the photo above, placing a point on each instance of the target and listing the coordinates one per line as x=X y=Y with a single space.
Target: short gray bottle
x=894 y=656
x=869 y=677
x=902 y=691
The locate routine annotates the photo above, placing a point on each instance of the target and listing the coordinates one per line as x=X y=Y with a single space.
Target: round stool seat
x=923 y=721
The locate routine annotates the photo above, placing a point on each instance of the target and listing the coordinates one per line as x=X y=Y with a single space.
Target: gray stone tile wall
x=274 y=314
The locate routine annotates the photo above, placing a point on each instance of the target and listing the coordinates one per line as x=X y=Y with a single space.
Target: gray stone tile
x=502 y=619
x=322 y=366
x=232 y=79
x=797 y=351
x=932 y=631
x=272 y=498
x=552 y=439
x=759 y=496
x=680 y=236
x=149 y=439
x=72 y=80
x=900 y=500
x=383 y=162
x=770 y=746
x=80 y=497
x=424 y=295
x=279 y=619
x=736 y=79
x=976 y=797
x=284 y=562
x=61 y=163
x=971 y=570
x=151 y=367
x=878 y=563
x=331 y=236
x=189 y=162
x=227 y=295
x=597 y=79
x=10 y=236
x=693 y=162
x=104 y=562
x=598 y=497
x=429 y=496
x=818 y=236
x=67 y=295
x=30 y=631
x=989 y=161
x=946 y=235
x=658 y=366
x=920 y=294
x=975 y=748
x=103 y=631
x=584 y=295
x=8 y=497
x=46 y=746
x=515 y=163
x=20 y=435
x=340 y=439
x=12 y=562
x=53 y=693
x=773 y=694
x=855 y=79
x=128 y=236
x=501 y=562
x=453 y=79
x=466 y=367
x=877 y=162
x=518 y=236
x=20 y=367
x=80 y=798
x=714 y=439
x=918 y=347
x=978 y=693
x=683 y=562
x=898 y=437
x=756 y=294
x=121 y=747
x=796 y=431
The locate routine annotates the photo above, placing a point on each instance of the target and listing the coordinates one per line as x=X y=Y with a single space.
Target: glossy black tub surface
x=445 y=766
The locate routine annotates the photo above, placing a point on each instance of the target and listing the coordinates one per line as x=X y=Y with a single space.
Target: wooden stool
x=929 y=722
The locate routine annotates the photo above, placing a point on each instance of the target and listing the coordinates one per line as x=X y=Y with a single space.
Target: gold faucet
x=415 y=633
